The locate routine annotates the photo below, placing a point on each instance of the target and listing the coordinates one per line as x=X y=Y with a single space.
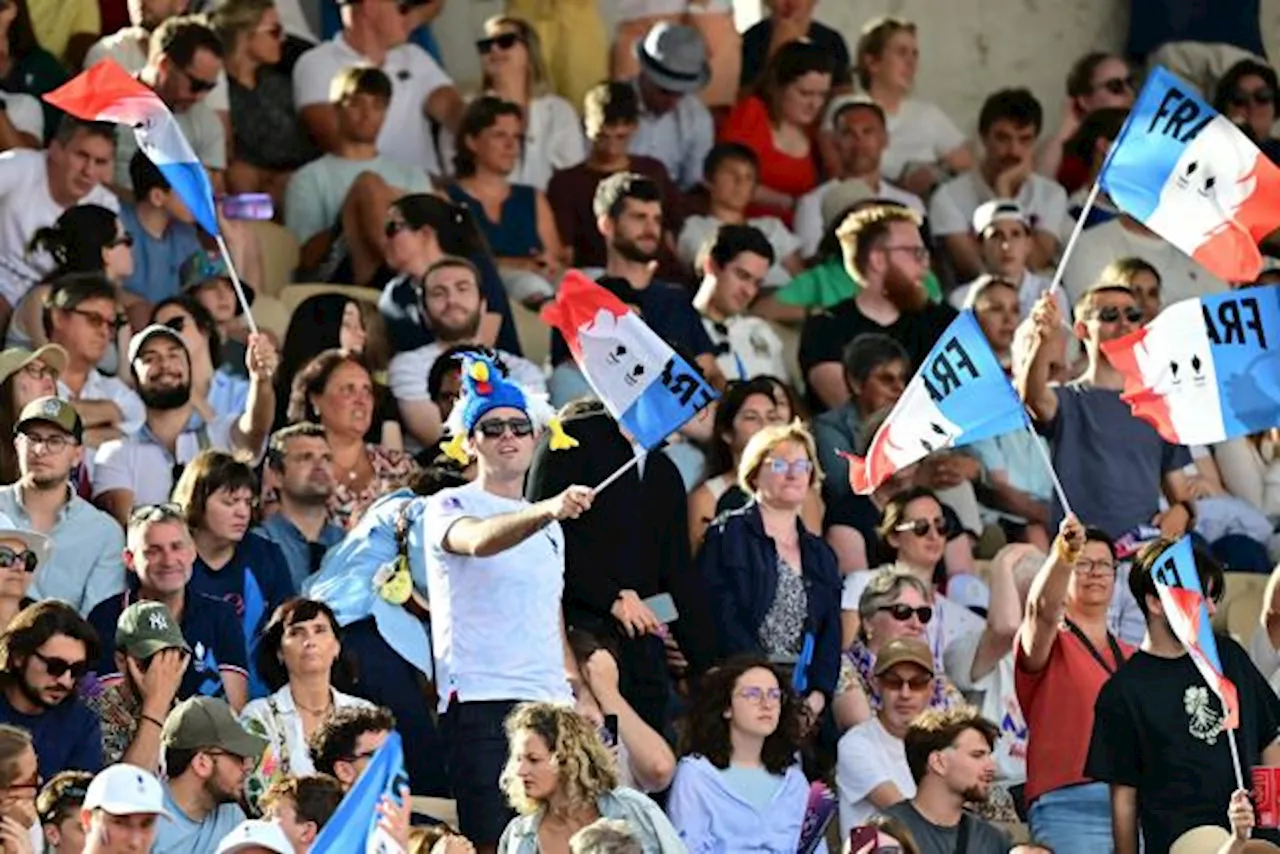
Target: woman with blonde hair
x=774 y=586
x=560 y=778
x=20 y=831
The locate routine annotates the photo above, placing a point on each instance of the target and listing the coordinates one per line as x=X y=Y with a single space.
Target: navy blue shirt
x=209 y=627
x=667 y=309
x=254 y=582
x=755 y=51
x=65 y=737
x=401 y=307
x=1153 y=23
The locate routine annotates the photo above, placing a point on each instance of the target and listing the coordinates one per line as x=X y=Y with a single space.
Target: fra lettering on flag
x=1178 y=584
x=959 y=395
x=1194 y=178
x=1205 y=370
x=353 y=828
x=641 y=380
x=108 y=93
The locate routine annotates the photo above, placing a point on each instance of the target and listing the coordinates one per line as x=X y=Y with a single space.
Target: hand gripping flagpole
x=1076 y=231
x=235 y=282
x=621 y=470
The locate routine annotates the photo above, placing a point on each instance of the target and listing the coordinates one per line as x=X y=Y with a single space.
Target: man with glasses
x=160 y=552
x=85 y=565
x=207 y=756
x=1097 y=81
x=347 y=739
x=44 y=652
x=58 y=808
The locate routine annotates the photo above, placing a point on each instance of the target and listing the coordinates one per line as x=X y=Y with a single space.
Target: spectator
x=68 y=30
x=1142 y=280
x=605 y=836
x=206 y=758
x=787 y=22
x=611 y=117
x=335 y=390
x=301 y=465
x=336 y=205
x=674 y=127
x=151 y=657
x=347 y=739
x=730 y=175
x=216 y=390
x=159 y=551
x=1009 y=124
x=557 y=761
x=1091 y=144
x=1063 y=656
x=373 y=35
x=887 y=257
x=163 y=231
x=121 y=810
x=925 y=146
x=206 y=277
x=773 y=584
x=37 y=187
x=1246 y=96
x=216 y=493
x=861 y=136
x=27 y=71
x=779 y=122
x=739 y=785
x=58 y=807
x=255 y=836
x=455 y=309
x=872 y=772
x=949 y=754
x=142 y=468
x=268 y=141
x=302 y=806
x=44 y=651
x=994 y=303
x=184 y=63
x=20 y=778
x=523 y=235
x=83 y=565
x=1005 y=239
x=1097 y=81
x=297 y=658
x=24 y=377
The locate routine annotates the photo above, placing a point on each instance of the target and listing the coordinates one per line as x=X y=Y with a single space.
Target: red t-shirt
x=1058 y=705
x=749 y=123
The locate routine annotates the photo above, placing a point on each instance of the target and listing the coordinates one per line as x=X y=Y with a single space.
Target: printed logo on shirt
x=451 y=503
x=1203 y=720
x=203 y=661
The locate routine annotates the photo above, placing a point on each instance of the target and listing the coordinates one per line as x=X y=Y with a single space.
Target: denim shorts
x=1073 y=819
x=477 y=751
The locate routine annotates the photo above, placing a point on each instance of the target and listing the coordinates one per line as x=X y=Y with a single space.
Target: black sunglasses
x=495 y=427
x=392 y=227
x=506 y=41
x=59 y=666
x=1260 y=97
x=125 y=239
x=10 y=559
x=1117 y=85
x=902 y=613
x=920 y=527
x=1110 y=314
x=198 y=85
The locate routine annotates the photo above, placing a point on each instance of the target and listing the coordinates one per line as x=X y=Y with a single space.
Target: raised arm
x=487 y=537
x=1033 y=379
x=1048 y=594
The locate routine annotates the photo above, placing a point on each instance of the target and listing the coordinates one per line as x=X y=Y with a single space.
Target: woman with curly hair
x=560 y=778
x=739 y=786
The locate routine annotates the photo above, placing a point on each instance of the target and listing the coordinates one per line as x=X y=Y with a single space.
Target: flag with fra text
x=353 y=828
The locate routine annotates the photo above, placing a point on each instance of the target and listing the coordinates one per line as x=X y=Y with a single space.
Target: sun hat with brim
x=39 y=544
x=15 y=359
x=255 y=834
x=205 y=266
x=674 y=58
x=1205 y=839
x=124 y=789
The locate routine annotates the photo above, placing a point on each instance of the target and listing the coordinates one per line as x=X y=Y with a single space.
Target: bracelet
x=158 y=723
x=1064 y=552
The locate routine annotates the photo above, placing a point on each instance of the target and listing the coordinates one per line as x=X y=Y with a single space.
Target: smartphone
x=663 y=607
x=255 y=206
x=610 y=730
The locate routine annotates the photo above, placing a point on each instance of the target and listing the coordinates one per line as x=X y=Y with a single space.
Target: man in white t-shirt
x=1009 y=124
x=373 y=34
x=495 y=575
x=871 y=765
x=454 y=306
x=858 y=127
x=37 y=186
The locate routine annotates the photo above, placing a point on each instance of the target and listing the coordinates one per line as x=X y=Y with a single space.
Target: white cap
x=998 y=210
x=255 y=833
x=125 y=790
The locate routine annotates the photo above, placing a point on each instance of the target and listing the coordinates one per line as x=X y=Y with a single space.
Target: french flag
x=1194 y=178
x=108 y=93
x=1205 y=370
x=648 y=388
x=959 y=395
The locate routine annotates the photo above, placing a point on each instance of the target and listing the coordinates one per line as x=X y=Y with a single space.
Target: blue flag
x=354 y=825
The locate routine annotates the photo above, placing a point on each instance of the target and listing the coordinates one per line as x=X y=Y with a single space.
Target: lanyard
x=1097 y=656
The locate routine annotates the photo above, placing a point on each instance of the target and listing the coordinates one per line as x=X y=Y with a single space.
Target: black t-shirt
x=1158 y=727
x=755 y=51
x=668 y=310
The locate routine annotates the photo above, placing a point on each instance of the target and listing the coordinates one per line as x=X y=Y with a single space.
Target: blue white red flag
x=353 y=827
x=1205 y=370
x=1194 y=178
x=644 y=383
x=1178 y=584
x=107 y=93
x=959 y=395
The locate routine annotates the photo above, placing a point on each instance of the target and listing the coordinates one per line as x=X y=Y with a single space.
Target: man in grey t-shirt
x=949 y=754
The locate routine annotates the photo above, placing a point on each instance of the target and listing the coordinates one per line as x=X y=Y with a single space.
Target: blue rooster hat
x=484 y=388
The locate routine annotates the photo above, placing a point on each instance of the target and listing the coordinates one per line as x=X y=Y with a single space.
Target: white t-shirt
x=495 y=621
x=698 y=229
x=951 y=209
x=128 y=47
x=98 y=386
x=919 y=132
x=754 y=348
x=407 y=373
x=315 y=194
x=25 y=113
x=25 y=206
x=406 y=133
x=950 y=622
x=995 y=697
x=553 y=140
x=808 y=223
x=1181 y=277
x=867 y=756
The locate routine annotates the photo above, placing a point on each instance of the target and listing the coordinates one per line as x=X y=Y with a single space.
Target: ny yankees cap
x=145 y=628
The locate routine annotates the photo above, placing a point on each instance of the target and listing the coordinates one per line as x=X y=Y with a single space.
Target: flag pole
x=623 y=469
x=1053 y=474
x=235 y=282
x=1076 y=231
x=1235 y=756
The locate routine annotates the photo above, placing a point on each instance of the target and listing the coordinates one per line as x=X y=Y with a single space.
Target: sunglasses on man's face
x=495 y=427
x=198 y=85
x=506 y=41
x=58 y=667
x=1260 y=97
x=25 y=560
x=1111 y=314
x=125 y=239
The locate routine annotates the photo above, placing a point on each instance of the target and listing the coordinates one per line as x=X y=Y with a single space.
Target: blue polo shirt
x=156 y=260
x=209 y=627
x=301 y=555
x=666 y=308
x=65 y=737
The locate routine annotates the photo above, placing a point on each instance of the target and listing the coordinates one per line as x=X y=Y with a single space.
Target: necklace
x=320 y=712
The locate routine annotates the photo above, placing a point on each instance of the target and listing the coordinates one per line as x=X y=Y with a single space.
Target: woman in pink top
x=1063 y=655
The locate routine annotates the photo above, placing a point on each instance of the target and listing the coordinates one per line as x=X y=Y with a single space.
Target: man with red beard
x=887 y=257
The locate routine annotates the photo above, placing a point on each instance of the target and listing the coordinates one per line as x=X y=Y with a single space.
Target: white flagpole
x=1053 y=474
x=1076 y=230
x=623 y=469
x=235 y=282
x=1235 y=758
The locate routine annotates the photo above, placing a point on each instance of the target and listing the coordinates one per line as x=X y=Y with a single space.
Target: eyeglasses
x=758 y=696
x=920 y=527
x=392 y=227
x=25 y=560
x=55 y=444
x=58 y=667
x=506 y=41
x=1260 y=97
x=796 y=467
x=97 y=321
x=902 y=613
x=1110 y=314
x=125 y=239
x=33 y=784
x=39 y=371
x=1117 y=85
x=1084 y=566
x=198 y=85
x=892 y=682
x=918 y=253
x=495 y=427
